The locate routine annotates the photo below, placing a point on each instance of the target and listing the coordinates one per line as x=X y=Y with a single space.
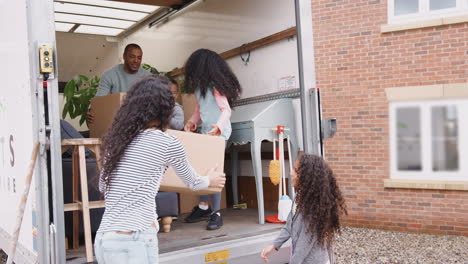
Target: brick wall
x=355 y=63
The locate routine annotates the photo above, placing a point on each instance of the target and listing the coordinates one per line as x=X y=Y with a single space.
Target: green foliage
x=151 y=69
x=78 y=93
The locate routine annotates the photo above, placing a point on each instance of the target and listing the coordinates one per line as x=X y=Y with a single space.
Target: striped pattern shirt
x=130 y=196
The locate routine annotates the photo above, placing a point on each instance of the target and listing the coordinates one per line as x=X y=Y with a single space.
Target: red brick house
x=394 y=73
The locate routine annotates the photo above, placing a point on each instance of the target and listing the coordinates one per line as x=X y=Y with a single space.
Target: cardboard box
x=203 y=152
x=104 y=108
x=189 y=101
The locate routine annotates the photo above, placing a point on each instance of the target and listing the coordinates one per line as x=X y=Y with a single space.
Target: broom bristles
x=274 y=172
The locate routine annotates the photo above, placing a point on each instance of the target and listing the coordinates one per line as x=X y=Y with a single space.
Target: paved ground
x=361 y=245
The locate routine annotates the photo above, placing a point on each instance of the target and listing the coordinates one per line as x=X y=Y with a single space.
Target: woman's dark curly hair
x=319 y=199
x=148 y=104
x=205 y=69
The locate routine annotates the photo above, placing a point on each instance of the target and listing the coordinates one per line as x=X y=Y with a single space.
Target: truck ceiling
x=101 y=17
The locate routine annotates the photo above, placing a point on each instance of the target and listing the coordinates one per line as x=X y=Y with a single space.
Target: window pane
x=403 y=7
x=442 y=4
x=408 y=138
x=444 y=138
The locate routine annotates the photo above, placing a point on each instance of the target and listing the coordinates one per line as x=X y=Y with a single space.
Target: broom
x=277 y=175
x=274 y=168
x=275 y=171
x=293 y=193
x=284 y=203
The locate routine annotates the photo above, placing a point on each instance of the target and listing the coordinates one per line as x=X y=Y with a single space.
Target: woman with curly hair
x=137 y=151
x=315 y=217
x=216 y=87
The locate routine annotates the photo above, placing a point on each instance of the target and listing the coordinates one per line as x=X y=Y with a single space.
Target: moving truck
x=268 y=44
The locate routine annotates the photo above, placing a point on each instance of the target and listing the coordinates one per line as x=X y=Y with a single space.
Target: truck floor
x=238 y=224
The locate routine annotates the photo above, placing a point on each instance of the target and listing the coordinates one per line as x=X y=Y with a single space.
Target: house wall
x=355 y=63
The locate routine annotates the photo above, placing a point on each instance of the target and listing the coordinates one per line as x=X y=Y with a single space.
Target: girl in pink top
x=216 y=87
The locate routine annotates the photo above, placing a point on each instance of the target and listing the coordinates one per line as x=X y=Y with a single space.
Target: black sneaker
x=216 y=221
x=198 y=215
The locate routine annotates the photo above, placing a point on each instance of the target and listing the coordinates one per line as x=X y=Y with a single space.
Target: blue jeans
x=140 y=247
x=215 y=200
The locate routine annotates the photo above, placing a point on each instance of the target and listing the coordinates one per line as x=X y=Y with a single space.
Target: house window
x=400 y=11
x=429 y=140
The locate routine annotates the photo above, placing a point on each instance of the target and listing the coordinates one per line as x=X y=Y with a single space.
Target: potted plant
x=78 y=93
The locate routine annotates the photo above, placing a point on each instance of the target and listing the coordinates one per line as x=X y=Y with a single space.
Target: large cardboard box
x=203 y=151
x=104 y=108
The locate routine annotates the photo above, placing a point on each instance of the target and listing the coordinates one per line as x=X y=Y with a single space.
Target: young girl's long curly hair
x=205 y=69
x=319 y=200
x=148 y=104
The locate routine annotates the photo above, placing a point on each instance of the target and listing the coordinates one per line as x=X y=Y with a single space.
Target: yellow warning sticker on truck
x=218 y=255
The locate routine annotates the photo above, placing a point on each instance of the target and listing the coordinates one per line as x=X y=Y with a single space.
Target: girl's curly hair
x=319 y=199
x=148 y=103
x=205 y=69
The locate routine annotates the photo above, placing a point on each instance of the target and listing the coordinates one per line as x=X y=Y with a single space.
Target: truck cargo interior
x=257 y=38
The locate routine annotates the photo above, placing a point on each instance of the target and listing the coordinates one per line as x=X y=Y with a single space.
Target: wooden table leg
x=166 y=222
x=85 y=205
x=76 y=189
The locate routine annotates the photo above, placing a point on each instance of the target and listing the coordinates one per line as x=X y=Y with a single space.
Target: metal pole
x=58 y=253
x=307 y=77
x=41 y=30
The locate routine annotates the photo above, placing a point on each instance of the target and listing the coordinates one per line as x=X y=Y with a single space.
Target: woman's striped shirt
x=130 y=196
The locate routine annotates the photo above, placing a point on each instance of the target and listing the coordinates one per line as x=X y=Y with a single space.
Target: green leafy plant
x=78 y=93
x=153 y=70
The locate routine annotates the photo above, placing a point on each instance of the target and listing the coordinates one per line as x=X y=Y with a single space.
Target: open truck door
x=29 y=113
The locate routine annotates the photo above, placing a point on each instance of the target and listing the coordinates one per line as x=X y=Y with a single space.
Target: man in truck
x=121 y=77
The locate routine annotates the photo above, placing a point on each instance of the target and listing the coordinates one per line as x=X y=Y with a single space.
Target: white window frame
x=425 y=13
x=426 y=144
